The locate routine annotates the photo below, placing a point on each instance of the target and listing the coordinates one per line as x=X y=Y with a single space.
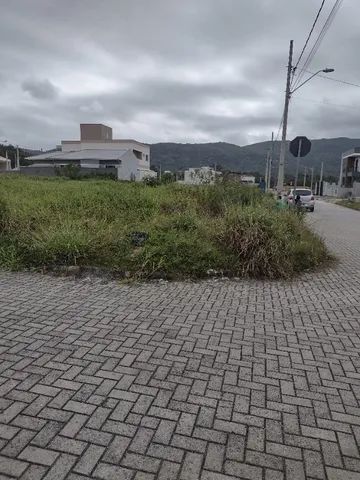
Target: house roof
x=112 y=141
x=86 y=154
x=350 y=153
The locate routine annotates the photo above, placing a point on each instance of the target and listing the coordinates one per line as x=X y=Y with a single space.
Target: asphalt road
x=216 y=380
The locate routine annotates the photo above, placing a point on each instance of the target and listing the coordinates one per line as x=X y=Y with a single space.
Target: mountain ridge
x=249 y=158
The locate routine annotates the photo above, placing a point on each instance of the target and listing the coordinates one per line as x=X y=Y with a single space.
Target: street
x=215 y=380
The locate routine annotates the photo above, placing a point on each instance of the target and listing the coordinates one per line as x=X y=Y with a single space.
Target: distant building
x=96 y=151
x=349 y=180
x=248 y=179
x=239 y=177
x=5 y=164
x=200 y=176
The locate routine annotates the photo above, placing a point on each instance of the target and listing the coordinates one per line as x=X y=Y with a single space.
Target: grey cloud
x=176 y=71
x=40 y=89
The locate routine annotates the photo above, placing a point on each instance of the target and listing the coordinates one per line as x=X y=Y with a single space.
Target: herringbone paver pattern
x=213 y=381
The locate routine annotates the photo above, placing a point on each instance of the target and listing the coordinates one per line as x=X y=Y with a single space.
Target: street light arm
x=308 y=80
x=325 y=70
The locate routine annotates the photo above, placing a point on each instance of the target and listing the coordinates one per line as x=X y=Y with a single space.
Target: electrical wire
x=336 y=80
x=318 y=41
x=326 y=103
x=308 y=37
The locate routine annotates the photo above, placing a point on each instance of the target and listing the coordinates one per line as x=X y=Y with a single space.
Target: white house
x=5 y=164
x=349 y=180
x=97 y=150
x=249 y=179
x=199 y=176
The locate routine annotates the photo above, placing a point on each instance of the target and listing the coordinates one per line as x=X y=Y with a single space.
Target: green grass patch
x=354 y=204
x=184 y=232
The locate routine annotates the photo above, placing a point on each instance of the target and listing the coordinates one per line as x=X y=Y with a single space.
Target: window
x=138 y=154
x=303 y=193
x=109 y=163
x=147 y=158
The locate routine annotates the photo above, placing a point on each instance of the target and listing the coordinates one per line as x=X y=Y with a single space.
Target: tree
x=11 y=152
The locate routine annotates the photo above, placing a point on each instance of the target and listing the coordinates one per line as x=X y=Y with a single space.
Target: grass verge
x=170 y=230
x=355 y=205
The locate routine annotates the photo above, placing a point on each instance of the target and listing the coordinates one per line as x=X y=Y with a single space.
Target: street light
x=288 y=93
x=325 y=70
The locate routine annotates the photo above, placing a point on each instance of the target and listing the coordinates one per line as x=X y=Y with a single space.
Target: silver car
x=307 y=200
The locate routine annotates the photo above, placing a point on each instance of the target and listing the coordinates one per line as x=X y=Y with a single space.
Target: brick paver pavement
x=217 y=380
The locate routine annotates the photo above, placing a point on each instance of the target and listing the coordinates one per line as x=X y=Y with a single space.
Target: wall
x=330 y=189
x=50 y=171
x=356 y=189
x=38 y=171
x=128 y=169
x=353 y=192
x=5 y=164
x=89 y=163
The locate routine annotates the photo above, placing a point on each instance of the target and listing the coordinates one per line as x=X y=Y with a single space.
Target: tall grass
x=189 y=230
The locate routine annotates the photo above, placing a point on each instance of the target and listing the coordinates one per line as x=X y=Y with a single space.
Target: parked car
x=307 y=200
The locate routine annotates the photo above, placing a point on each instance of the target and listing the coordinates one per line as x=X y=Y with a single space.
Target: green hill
x=249 y=158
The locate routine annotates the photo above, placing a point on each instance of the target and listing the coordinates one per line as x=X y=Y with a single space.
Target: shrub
x=4 y=214
x=269 y=243
x=71 y=171
x=151 y=181
x=175 y=253
x=167 y=177
x=216 y=198
x=187 y=230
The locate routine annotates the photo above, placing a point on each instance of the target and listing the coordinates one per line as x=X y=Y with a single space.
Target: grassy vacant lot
x=189 y=230
x=355 y=205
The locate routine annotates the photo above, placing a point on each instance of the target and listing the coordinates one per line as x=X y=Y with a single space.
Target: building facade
x=97 y=150
x=349 y=179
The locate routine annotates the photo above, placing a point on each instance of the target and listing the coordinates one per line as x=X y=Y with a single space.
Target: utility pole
x=267 y=170
x=305 y=172
x=321 y=179
x=322 y=172
x=271 y=160
x=297 y=170
x=280 y=182
x=17 y=158
x=312 y=178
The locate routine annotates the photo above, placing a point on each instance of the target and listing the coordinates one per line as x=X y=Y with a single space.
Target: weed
x=186 y=231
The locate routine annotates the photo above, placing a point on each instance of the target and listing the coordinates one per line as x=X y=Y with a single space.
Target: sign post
x=297 y=167
x=299 y=147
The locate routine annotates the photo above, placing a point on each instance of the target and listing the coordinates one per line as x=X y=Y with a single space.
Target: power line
x=332 y=79
x=321 y=36
x=318 y=41
x=309 y=36
x=304 y=99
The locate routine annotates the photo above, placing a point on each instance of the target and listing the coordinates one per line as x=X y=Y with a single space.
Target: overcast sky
x=171 y=70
